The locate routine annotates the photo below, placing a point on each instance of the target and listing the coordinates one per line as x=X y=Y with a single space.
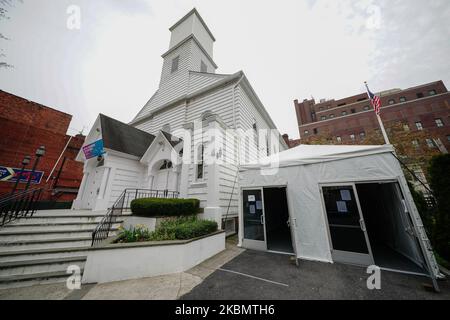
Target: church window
x=166 y=165
x=175 y=62
x=206 y=115
x=203 y=67
x=200 y=162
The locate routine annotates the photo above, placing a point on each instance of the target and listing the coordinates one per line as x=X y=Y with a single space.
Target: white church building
x=190 y=137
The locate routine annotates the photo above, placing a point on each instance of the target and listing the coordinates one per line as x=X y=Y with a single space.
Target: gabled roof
x=160 y=135
x=149 y=111
x=172 y=139
x=121 y=137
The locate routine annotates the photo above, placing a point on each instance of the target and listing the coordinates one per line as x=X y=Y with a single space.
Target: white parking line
x=250 y=276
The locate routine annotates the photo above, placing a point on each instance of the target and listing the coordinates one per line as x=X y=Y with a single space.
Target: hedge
x=186 y=228
x=439 y=170
x=155 y=207
x=181 y=228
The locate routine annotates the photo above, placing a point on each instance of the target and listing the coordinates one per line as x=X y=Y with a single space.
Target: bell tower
x=190 y=49
x=192 y=24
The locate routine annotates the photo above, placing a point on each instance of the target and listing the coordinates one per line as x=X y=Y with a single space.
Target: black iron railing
x=101 y=232
x=19 y=205
x=103 y=229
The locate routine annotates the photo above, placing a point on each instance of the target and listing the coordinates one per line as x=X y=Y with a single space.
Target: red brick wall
x=425 y=110
x=26 y=125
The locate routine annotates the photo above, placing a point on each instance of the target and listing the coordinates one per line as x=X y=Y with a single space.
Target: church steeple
x=190 y=49
x=192 y=24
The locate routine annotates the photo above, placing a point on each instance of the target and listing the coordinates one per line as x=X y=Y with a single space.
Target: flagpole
x=385 y=136
x=380 y=122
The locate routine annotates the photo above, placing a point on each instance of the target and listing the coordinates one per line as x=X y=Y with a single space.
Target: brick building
x=422 y=111
x=26 y=125
x=292 y=143
x=425 y=107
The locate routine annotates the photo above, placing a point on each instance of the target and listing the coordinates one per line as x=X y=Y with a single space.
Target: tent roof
x=308 y=154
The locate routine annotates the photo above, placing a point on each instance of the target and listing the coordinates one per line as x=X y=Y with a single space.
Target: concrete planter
x=123 y=261
x=150 y=223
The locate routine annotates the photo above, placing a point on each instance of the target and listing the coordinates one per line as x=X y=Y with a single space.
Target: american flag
x=375 y=100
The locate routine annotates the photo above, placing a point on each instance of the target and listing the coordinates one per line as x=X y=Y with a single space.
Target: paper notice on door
x=345 y=195
x=251 y=198
x=258 y=205
x=341 y=206
x=252 y=209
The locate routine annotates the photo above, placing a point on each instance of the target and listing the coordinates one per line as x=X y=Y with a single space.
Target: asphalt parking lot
x=260 y=275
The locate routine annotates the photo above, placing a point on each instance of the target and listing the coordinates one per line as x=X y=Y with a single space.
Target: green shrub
x=134 y=234
x=425 y=213
x=154 y=207
x=188 y=228
x=183 y=228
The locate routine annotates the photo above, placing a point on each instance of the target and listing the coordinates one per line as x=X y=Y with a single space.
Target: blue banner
x=94 y=149
x=9 y=174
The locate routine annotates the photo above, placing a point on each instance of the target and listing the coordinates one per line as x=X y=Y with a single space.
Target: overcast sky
x=289 y=49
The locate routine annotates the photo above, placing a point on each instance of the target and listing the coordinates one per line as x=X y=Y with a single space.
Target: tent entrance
x=347 y=231
x=369 y=224
x=266 y=220
x=253 y=219
x=390 y=229
x=277 y=220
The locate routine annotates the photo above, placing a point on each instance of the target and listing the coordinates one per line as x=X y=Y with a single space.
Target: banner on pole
x=94 y=149
x=8 y=174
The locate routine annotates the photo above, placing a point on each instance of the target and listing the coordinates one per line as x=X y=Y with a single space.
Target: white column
x=186 y=162
x=77 y=202
x=212 y=210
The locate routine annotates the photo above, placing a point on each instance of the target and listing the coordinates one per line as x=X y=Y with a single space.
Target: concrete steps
x=39 y=249
x=7 y=237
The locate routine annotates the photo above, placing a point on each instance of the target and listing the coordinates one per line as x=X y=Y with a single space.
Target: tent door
x=346 y=226
x=293 y=227
x=254 y=224
x=277 y=220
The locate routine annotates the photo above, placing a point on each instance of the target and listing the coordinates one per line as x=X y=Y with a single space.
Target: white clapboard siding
x=172 y=85
x=218 y=102
x=146 y=109
x=197 y=57
x=198 y=81
x=175 y=85
x=248 y=114
x=174 y=116
x=124 y=174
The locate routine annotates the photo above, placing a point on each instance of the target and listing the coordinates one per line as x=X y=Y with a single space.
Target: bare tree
x=4 y=7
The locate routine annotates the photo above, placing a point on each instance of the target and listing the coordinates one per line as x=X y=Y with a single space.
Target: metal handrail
x=19 y=205
x=103 y=229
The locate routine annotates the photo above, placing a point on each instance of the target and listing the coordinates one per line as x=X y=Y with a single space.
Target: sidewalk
x=167 y=287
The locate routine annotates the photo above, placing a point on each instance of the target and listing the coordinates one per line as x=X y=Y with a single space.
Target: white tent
x=346 y=204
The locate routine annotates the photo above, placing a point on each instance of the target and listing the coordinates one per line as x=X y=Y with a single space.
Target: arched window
x=166 y=165
x=206 y=115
